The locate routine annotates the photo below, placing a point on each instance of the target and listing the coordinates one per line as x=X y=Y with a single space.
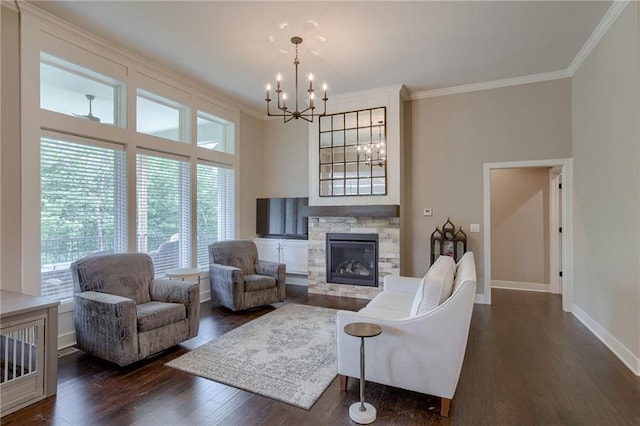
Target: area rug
x=288 y=355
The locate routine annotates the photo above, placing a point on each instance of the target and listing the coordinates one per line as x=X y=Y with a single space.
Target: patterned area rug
x=288 y=355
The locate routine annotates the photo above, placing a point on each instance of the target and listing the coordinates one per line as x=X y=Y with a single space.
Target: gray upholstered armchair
x=122 y=314
x=239 y=280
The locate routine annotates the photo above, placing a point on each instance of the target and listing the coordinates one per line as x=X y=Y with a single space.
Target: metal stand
x=362 y=412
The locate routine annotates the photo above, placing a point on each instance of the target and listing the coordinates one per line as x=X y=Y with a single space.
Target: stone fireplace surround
x=358 y=214
x=387 y=228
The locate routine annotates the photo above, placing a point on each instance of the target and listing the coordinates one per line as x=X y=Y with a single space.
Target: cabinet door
x=295 y=255
x=268 y=249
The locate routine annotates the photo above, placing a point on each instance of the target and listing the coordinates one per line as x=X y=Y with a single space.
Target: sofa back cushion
x=435 y=287
x=126 y=274
x=465 y=271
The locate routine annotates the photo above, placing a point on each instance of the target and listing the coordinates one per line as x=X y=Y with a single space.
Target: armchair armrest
x=227 y=284
x=275 y=270
x=266 y=267
x=185 y=292
x=401 y=284
x=106 y=326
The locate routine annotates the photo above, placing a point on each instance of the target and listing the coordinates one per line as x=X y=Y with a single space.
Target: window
x=173 y=160
x=163 y=211
x=72 y=90
x=215 y=133
x=161 y=117
x=216 y=208
x=83 y=204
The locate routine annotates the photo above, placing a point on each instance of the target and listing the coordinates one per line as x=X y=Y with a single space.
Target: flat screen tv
x=281 y=217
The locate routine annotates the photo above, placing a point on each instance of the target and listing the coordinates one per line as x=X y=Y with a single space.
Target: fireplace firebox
x=352 y=259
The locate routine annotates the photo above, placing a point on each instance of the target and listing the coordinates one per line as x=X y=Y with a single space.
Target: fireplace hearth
x=352 y=259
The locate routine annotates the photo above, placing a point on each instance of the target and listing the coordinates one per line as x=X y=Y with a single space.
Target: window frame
x=134 y=74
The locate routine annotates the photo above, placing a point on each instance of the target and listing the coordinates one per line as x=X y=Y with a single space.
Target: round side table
x=362 y=412
x=184 y=274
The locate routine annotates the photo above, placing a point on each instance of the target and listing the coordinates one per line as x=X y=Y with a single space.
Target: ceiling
x=237 y=47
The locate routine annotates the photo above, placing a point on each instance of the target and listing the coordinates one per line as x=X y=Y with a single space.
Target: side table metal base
x=362 y=417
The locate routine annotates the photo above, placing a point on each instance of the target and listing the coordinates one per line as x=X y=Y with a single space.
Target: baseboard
x=205 y=295
x=518 y=285
x=621 y=351
x=481 y=299
x=67 y=339
x=295 y=279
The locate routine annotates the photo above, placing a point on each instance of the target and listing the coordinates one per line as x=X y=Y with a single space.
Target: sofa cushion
x=393 y=300
x=158 y=314
x=258 y=282
x=381 y=313
x=436 y=286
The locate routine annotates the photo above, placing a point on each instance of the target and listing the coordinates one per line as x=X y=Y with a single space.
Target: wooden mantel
x=380 y=210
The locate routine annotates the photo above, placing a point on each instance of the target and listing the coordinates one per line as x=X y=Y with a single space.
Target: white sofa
x=425 y=325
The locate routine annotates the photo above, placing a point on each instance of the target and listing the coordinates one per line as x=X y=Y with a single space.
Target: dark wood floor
x=526 y=363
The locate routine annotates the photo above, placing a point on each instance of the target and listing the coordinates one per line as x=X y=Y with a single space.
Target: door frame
x=555 y=223
x=566 y=166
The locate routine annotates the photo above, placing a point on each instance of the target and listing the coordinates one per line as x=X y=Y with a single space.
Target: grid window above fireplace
x=352 y=259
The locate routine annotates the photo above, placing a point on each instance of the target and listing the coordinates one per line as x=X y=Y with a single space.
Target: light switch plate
x=474 y=227
x=427 y=212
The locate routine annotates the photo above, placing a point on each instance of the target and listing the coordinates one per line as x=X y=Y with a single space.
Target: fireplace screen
x=352 y=259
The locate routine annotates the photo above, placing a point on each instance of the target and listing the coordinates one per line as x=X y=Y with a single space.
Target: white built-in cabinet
x=292 y=253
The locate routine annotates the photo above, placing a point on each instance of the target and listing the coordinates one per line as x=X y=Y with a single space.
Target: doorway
x=561 y=168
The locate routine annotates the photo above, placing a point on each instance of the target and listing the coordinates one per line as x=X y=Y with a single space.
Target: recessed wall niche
x=353 y=154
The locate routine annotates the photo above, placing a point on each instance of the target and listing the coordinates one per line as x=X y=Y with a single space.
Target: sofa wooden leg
x=445 y=403
x=343 y=382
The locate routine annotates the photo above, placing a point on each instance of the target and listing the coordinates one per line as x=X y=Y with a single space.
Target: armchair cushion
x=152 y=315
x=258 y=282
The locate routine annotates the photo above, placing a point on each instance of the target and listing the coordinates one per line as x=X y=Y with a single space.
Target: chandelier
x=283 y=110
x=374 y=152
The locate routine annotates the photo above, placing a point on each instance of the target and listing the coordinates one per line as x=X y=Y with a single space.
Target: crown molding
x=11 y=4
x=357 y=95
x=605 y=23
x=495 y=84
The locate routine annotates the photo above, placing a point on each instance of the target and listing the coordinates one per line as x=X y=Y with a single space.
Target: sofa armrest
x=106 y=326
x=185 y=292
x=401 y=284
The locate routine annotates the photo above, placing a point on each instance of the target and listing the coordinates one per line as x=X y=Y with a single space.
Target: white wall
x=606 y=153
x=251 y=174
x=10 y=242
x=520 y=225
x=286 y=153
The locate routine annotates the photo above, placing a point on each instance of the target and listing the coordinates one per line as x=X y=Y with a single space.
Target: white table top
x=182 y=272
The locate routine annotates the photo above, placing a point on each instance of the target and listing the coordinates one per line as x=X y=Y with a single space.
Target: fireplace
x=352 y=259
